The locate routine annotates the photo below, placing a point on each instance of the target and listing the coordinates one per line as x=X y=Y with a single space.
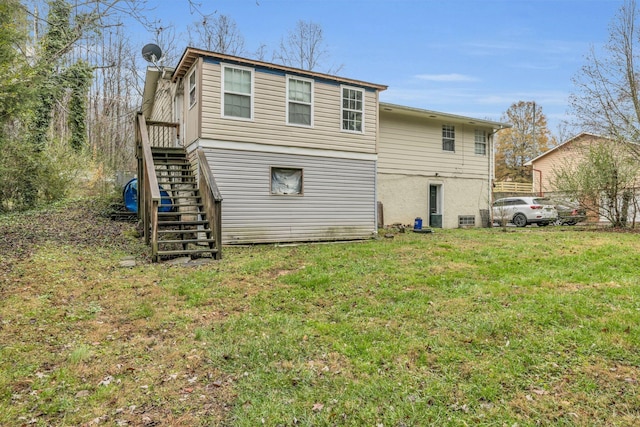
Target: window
x=286 y=181
x=192 y=89
x=448 y=138
x=481 y=142
x=466 y=220
x=237 y=92
x=352 y=109
x=299 y=101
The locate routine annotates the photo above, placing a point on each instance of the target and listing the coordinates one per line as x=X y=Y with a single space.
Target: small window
x=286 y=181
x=466 y=221
x=299 y=101
x=192 y=89
x=237 y=92
x=448 y=138
x=481 y=142
x=352 y=109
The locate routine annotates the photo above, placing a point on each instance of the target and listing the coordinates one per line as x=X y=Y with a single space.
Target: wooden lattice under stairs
x=184 y=228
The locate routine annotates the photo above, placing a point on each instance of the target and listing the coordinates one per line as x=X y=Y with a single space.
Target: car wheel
x=519 y=220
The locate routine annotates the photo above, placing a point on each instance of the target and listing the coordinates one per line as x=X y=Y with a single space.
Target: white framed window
x=480 y=142
x=193 y=94
x=352 y=109
x=237 y=92
x=286 y=181
x=299 y=101
x=448 y=138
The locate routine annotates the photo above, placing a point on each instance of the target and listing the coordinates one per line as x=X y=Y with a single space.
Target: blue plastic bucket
x=417 y=224
x=130 y=196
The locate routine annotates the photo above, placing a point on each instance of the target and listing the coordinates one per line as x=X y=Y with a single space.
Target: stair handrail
x=148 y=189
x=211 y=199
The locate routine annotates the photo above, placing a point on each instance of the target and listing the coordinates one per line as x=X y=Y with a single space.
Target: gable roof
x=564 y=145
x=430 y=114
x=191 y=55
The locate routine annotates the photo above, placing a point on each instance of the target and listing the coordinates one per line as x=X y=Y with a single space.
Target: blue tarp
x=130 y=196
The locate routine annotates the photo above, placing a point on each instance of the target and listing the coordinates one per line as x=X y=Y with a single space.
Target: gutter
x=491 y=177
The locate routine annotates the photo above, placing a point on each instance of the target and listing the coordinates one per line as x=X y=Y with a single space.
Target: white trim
x=222 y=91
x=288 y=101
x=195 y=88
x=279 y=149
x=452 y=129
x=364 y=100
x=484 y=132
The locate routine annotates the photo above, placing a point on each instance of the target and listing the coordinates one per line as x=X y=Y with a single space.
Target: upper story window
x=352 y=109
x=448 y=138
x=481 y=142
x=299 y=101
x=193 y=97
x=237 y=92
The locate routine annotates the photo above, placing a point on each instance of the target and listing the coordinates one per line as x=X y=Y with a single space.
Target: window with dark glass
x=352 y=109
x=448 y=138
x=237 y=92
x=299 y=101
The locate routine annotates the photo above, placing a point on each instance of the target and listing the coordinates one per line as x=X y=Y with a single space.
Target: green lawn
x=460 y=327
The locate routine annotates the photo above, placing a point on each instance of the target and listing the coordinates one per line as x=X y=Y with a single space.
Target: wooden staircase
x=181 y=211
x=184 y=230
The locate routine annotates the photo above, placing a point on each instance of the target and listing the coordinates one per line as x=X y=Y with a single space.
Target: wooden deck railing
x=163 y=134
x=512 y=187
x=148 y=190
x=211 y=199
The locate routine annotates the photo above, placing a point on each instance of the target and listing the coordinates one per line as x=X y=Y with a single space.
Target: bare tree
x=165 y=37
x=304 y=47
x=607 y=100
x=217 y=33
x=602 y=177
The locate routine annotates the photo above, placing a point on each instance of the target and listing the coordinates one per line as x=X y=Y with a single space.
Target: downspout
x=491 y=172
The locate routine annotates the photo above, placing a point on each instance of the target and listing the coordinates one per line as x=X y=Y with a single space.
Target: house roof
x=191 y=55
x=564 y=144
x=430 y=114
x=152 y=77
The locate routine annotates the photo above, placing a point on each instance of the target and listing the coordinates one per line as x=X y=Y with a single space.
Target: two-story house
x=305 y=156
x=293 y=152
x=435 y=166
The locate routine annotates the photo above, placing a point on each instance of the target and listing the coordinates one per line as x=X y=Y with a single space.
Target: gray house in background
x=305 y=156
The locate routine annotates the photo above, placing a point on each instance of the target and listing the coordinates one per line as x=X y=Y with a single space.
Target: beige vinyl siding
x=413 y=146
x=192 y=114
x=162 y=106
x=565 y=156
x=338 y=201
x=269 y=124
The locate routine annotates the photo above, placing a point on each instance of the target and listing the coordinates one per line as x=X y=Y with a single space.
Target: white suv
x=522 y=211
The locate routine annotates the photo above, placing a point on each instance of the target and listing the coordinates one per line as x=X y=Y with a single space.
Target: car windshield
x=542 y=201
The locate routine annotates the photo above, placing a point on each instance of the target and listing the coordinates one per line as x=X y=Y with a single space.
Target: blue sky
x=466 y=57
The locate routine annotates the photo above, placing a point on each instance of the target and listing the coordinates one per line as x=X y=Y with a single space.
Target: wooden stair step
x=183 y=180
x=188 y=252
x=195 y=222
x=179 y=213
x=168 y=233
x=172 y=235
x=186 y=241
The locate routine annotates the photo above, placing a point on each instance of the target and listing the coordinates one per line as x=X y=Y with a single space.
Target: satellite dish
x=151 y=52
